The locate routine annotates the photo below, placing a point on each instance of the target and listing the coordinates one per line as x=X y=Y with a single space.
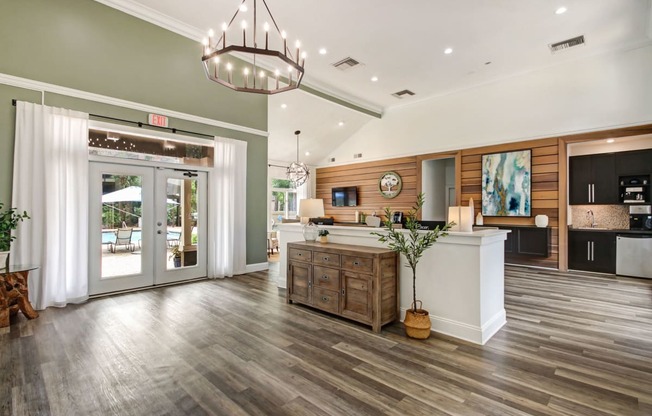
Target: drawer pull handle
x=324 y=277
x=325 y=299
x=356 y=263
x=325 y=258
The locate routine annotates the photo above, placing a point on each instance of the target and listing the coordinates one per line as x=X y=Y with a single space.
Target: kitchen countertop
x=611 y=230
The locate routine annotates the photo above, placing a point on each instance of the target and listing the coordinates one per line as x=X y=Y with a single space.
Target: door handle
x=588 y=250
x=589 y=186
x=593 y=193
x=592 y=250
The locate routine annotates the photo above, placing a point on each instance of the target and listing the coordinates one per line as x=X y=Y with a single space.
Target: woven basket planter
x=417 y=324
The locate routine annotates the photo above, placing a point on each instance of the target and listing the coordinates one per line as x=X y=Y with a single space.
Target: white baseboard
x=461 y=330
x=257 y=267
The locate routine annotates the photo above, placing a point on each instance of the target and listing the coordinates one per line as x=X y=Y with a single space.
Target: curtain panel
x=50 y=182
x=227 y=203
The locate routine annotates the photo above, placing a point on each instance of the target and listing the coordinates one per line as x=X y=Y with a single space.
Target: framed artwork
x=506 y=184
x=390 y=184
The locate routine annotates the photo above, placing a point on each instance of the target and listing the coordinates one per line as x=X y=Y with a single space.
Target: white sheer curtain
x=51 y=184
x=304 y=191
x=227 y=203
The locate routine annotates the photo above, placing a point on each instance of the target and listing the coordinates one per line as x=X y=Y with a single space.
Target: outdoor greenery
x=9 y=220
x=411 y=244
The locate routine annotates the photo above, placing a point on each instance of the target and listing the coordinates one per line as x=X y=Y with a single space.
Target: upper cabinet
x=593 y=179
x=637 y=162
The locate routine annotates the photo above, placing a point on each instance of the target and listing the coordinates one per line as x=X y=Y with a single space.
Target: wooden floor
x=573 y=345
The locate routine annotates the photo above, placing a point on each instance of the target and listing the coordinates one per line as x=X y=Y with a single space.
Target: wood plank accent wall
x=545 y=190
x=365 y=177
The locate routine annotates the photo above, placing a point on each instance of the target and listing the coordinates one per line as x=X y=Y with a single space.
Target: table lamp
x=310 y=208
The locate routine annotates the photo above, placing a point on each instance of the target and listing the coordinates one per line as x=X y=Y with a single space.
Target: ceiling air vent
x=346 y=64
x=357 y=155
x=401 y=94
x=565 y=44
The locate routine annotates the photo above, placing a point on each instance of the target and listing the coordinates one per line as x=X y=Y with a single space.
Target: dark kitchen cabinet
x=527 y=241
x=593 y=251
x=637 y=162
x=593 y=179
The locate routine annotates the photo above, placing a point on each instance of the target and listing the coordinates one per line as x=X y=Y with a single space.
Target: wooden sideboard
x=356 y=282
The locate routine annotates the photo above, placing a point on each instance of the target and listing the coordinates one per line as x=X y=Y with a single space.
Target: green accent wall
x=85 y=45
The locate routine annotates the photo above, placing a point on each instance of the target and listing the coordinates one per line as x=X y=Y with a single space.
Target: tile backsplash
x=607 y=216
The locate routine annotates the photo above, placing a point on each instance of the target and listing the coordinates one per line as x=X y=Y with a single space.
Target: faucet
x=592 y=216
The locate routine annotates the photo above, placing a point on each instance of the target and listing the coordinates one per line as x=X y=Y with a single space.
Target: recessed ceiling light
x=323 y=51
x=374 y=79
x=610 y=140
x=341 y=123
x=448 y=51
x=284 y=106
x=561 y=10
x=307 y=153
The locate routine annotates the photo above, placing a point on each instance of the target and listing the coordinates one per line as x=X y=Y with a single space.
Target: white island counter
x=460 y=279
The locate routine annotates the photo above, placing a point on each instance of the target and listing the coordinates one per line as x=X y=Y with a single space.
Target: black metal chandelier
x=253 y=65
x=298 y=172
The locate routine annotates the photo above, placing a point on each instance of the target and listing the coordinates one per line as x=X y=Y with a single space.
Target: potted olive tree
x=9 y=220
x=412 y=243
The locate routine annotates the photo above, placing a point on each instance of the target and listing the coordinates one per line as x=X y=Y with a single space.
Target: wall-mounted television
x=345 y=197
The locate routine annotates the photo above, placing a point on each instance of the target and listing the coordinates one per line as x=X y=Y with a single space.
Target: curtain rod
x=141 y=124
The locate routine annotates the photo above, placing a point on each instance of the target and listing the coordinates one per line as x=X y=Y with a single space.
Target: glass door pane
x=181 y=206
x=121 y=210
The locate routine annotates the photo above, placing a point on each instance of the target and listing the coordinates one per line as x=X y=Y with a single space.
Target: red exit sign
x=158 y=120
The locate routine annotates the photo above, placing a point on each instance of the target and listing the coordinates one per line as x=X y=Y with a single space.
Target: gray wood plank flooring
x=574 y=344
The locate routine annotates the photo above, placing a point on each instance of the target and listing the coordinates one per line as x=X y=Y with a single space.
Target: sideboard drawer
x=326 y=259
x=326 y=278
x=358 y=264
x=300 y=255
x=327 y=300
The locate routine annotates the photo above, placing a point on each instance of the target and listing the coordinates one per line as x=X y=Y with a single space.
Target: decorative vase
x=479 y=220
x=323 y=239
x=417 y=324
x=177 y=262
x=541 y=221
x=310 y=231
x=4 y=259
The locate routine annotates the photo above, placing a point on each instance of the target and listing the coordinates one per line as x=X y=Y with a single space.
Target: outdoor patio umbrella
x=129 y=194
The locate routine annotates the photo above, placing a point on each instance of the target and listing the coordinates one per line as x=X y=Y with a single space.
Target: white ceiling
x=402 y=43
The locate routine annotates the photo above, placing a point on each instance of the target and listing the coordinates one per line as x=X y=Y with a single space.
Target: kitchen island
x=460 y=279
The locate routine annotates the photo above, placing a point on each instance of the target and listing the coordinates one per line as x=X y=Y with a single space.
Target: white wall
x=596 y=93
x=436 y=176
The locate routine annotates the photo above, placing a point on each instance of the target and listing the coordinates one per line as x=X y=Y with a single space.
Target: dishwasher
x=633 y=255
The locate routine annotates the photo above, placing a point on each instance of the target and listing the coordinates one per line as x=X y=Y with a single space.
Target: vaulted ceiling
x=403 y=44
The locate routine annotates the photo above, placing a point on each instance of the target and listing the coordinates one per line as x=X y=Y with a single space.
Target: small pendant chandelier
x=298 y=173
x=248 y=66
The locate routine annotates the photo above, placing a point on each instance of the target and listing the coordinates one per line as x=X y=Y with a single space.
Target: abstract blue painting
x=506 y=184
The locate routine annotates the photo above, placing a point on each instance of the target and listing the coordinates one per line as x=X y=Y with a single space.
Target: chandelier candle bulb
x=246 y=74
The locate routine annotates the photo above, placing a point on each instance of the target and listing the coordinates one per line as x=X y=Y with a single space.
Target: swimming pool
x=109 y=236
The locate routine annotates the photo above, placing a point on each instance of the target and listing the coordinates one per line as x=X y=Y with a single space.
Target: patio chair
x=123 y=238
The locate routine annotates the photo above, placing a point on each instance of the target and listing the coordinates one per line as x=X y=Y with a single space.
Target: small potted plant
x=412 y=244
x=9 y=220
x=175 y=255
x=323 y=236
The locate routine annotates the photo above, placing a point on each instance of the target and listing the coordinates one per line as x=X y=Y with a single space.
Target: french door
x=147 y=226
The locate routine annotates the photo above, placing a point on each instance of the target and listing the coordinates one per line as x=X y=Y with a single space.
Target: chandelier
x=298 y=172
x=253 y=65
